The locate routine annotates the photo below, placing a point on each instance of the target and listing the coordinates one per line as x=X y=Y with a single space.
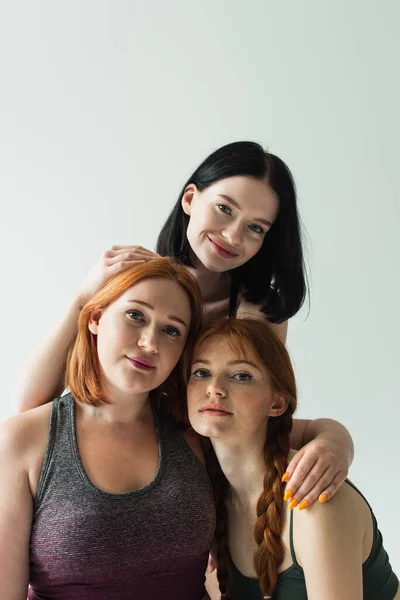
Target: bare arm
x=305 y=431
x=16 y=508
x=331 y=430
x=42 y=377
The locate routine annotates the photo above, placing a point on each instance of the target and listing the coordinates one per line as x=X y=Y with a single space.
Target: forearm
x=42 y=377
x=332 y=430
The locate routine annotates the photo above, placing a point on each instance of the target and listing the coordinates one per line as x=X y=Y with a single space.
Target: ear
x=279 y=406
x=187 y=198
x=94 y=320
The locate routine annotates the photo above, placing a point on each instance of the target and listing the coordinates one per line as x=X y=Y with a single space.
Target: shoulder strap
x=49 y=450
x=291 y=544
x=374 y=521
x=58 y=443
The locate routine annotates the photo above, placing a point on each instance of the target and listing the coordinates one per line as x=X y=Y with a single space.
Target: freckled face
x=229 y=220
x=229 y=396
x=141 y=336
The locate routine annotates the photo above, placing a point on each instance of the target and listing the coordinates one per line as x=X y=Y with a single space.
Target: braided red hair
x=242 y=335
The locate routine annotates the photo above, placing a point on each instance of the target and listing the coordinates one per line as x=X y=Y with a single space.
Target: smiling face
x=230 y=394
x=229 y=220
x=141 y=336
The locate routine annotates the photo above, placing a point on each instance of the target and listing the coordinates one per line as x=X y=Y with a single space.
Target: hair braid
x=245 y=335
x=220 y=486
x=268 y=529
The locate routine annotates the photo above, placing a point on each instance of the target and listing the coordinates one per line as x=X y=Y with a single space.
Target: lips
x=215 y=410
x=223 y=249
x=141 y=363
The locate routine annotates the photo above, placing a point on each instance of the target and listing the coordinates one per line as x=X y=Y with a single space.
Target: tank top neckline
x=281 y=574
x=81 y=470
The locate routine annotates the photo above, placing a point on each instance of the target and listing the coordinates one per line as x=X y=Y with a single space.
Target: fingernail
x=323 y=498
x=285 y=476
x=288 y=495
x=303 y=505
x=293 y=504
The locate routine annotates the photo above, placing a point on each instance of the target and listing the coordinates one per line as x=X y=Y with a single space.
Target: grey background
x=107 y=107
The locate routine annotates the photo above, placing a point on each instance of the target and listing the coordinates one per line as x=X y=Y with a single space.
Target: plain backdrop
x=107 y=108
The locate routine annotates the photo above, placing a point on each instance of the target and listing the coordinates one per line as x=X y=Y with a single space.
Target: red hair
x=83 y=373
x=257 y=336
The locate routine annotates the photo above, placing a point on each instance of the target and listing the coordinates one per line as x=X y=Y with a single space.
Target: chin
x=211 y=430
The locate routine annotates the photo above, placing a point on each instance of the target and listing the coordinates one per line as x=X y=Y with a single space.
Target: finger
x=301 y=470
x=211 y=564
x=116 y=247
x=128 y=250
x=317 y=480
x=127 y=257
x=331 y=490
x=312 y=479
x=122 y=266
x=292 y=465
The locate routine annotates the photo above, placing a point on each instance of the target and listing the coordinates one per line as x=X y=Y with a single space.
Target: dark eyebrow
x=232 y=362
x=172 y=317
x=236 y=205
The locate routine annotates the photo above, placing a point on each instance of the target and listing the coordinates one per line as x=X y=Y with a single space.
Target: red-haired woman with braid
x=242 y=395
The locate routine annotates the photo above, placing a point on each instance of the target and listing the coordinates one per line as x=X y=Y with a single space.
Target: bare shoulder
x=344 y=505
x=25 y=432
x=246 y=310
x=195 y=441
x=337 y=521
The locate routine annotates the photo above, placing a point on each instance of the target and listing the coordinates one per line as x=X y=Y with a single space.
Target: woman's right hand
x=114 y=260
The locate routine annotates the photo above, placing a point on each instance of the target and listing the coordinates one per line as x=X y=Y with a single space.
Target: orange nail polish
x=288 y=495
x=285 y=476
x=303 y=505
x=323 y=498
x=293 y=504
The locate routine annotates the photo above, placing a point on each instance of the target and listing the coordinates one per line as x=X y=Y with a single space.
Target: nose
x=233 y=234
x=148 y=340
x=215 y=389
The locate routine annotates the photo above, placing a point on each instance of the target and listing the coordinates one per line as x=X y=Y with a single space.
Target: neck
x=243 y=464
x=212 y=284
x=122 y=409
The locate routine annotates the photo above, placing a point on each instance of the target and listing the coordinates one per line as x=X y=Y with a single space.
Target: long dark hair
x=276 y=274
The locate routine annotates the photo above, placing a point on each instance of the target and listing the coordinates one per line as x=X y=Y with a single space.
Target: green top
x=379 y=581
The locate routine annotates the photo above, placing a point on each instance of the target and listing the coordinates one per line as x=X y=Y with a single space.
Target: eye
x=200 y=373
x=225 y=209
x=257 y=229
x=242 y=377
x=172 y=331
x=135 y=315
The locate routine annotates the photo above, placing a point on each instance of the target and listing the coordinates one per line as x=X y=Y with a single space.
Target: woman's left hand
x=315 y=472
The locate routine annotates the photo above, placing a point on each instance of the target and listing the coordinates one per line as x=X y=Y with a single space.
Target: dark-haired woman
x=236 y=227
x=242 y=394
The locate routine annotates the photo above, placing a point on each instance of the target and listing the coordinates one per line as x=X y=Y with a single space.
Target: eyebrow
x=172 y=317
x=236 y=205
x=230 y=363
